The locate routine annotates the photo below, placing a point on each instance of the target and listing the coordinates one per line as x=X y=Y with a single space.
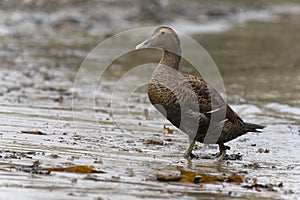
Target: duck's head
x=164 y=38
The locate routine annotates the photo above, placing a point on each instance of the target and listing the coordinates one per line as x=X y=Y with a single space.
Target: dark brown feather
x=184 y=97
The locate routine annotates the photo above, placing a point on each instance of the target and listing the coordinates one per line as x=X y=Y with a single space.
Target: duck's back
x=175 y=96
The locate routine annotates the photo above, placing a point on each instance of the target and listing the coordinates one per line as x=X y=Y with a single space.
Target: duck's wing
x=209 y=100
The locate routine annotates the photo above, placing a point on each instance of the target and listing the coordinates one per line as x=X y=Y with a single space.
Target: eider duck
x=188 y=101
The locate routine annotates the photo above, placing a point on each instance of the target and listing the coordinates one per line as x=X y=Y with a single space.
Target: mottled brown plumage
x=187 y=101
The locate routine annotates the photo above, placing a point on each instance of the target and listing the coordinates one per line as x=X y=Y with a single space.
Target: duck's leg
x=188 y=152
x=222 y=152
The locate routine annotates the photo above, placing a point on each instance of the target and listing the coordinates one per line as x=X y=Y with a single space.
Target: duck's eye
x=162 y=32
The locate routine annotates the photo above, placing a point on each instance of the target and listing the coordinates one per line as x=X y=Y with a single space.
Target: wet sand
x=259 y=64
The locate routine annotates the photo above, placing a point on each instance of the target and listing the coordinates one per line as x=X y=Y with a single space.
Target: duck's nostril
x=142 y=45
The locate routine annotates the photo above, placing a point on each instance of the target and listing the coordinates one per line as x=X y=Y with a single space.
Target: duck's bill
x=144 y=44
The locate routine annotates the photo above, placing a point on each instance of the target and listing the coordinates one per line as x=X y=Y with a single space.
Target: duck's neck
x=170 y=59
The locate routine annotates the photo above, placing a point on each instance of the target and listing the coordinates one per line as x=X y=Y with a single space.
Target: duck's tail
x=253 y=127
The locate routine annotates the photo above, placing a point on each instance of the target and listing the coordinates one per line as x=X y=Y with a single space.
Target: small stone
x=260 y=150
x=154 y=141
x=54 y=156
x=267 y=151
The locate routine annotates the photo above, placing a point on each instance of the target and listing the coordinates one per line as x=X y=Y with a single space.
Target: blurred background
x=255 y=44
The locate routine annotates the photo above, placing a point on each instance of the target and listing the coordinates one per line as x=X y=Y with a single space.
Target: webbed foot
x=220 y=156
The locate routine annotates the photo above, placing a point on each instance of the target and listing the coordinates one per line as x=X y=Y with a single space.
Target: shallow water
x=259 y=64
x=268 y=75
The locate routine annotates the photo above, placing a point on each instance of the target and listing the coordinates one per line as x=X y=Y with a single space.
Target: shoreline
x=113 y=18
